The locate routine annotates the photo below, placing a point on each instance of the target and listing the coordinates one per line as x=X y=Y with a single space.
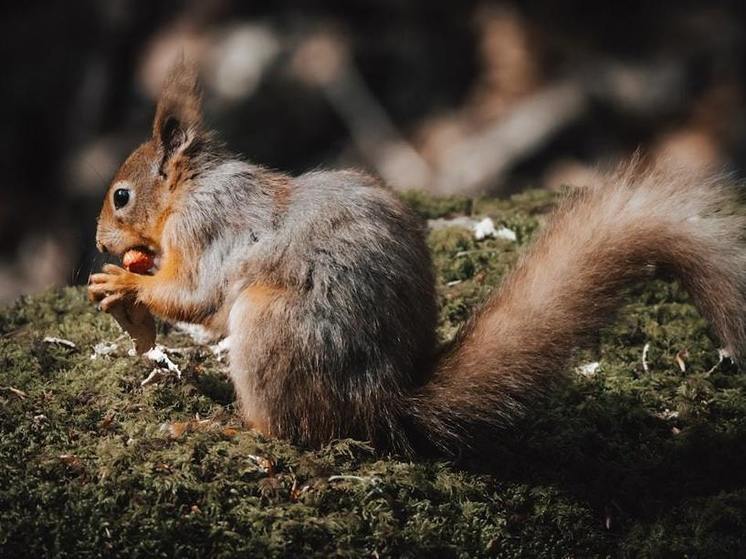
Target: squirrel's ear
x=178 y=118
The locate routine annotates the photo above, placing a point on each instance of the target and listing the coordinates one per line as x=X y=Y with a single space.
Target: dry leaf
x=264 y=464
x=178 y=428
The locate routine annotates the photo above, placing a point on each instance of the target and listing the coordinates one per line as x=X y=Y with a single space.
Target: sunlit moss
x=627 y=462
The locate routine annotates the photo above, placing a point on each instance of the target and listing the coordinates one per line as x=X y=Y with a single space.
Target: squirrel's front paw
x=112 y=284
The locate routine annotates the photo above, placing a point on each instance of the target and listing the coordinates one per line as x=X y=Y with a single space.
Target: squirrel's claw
x=94 y=293
x=111 y=285
x=113 y=269
x=109 y=301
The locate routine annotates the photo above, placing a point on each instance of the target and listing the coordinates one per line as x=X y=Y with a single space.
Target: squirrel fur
x=325 y=285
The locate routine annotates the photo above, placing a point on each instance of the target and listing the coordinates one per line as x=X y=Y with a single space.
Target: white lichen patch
x=588 y=369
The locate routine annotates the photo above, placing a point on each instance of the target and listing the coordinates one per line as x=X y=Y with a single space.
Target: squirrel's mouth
x=141 y=260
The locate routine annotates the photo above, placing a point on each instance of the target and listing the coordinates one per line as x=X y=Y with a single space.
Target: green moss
x=625 y=463
x=429 y=208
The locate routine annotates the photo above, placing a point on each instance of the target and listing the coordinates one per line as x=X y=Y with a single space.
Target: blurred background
x=462 y=97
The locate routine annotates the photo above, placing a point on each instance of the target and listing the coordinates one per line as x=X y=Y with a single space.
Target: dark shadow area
x=422 y=85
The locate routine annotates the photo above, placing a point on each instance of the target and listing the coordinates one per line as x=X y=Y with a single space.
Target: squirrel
x=324 y=284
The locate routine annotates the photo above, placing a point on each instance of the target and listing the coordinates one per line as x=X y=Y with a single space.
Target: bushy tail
x=568 y=285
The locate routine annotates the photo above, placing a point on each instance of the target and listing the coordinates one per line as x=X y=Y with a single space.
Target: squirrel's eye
x=121 y=197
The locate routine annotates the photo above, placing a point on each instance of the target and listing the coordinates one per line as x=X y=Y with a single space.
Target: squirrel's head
x=148 y=186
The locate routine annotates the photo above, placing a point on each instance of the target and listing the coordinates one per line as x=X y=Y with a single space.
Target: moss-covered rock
x=629 y=460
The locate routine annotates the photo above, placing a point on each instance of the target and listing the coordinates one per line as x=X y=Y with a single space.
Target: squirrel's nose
x=101 y=247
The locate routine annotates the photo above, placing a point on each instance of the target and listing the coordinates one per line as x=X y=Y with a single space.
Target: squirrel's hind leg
x=253 y=334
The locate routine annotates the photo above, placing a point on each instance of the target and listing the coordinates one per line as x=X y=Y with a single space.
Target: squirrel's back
x=354 y=332
x=324 y=284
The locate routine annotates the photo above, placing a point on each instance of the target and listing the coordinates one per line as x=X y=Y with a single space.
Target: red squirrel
x=325 y=286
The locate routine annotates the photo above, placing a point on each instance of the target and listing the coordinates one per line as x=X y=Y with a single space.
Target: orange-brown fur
x=567 y=287
x=324 y=284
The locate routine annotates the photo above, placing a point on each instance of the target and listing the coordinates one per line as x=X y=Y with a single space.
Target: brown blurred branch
x=323 y=60
x=484 y=157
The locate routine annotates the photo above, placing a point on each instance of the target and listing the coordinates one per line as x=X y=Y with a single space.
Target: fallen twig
x=645 y=350
x=59 y=341
x=15 y=391
x=722 y=355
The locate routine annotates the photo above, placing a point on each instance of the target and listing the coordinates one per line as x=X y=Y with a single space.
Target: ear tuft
x=178 y=118
x=172 y=135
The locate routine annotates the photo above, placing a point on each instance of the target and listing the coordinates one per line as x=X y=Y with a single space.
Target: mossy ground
x=626 y=462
